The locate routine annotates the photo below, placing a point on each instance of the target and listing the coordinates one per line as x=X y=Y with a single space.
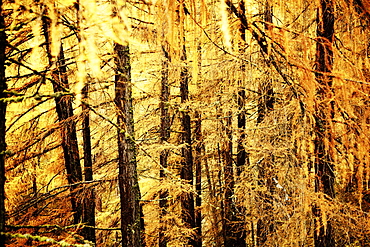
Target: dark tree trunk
x=266 y=98
x=131 y=223
x=187 y=156
x=65 y=116
x=324 y=113
x=3 y=87
x=164 y=135
x=88 y=216
x=198 y=177
x=242 y=156
x=234 y=226
x=241 y=153
x=186 y=172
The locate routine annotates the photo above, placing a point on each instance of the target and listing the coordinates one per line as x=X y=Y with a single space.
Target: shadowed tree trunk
x=198 y=177
x=199 y=151
x=324 y=113
x=66 y=118
x=3 y=87
x=88 y=216
x=186 y=173
x=127 y=177
x=187 y=156
x=238 y=224
x=241 y=153
x=164 y=135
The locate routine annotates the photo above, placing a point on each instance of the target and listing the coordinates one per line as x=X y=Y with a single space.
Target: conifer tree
x=164 y=136
x=198 y=177
x=127 y=177
x=186 y=172
x=324 y=114
x=88 y=216
x=64 y=109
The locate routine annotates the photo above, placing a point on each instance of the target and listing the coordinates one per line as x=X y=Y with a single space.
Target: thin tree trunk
x=164 y=135
x=186 y=173
x=65 y=116
x=127 y=177
x=198 y=177
x=3 y=86
x=187 y=156
x=88 y=216
x=324 y=113
x=199 y=151
x=241 y=153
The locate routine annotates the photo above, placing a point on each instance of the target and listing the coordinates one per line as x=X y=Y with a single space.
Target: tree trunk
x=164 y=135
x=127 y=177
x=186 y=173
x=242 y=157
x=187 y=156
x=3 y=86
x=241 y=153
x=65 y=116
x=198 y=177
x=88 y=216
x=324 y=113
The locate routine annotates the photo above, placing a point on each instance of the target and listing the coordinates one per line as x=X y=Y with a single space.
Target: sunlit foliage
x=251 y=58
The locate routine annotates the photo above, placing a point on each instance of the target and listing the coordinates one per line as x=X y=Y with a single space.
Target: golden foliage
x=277 y=183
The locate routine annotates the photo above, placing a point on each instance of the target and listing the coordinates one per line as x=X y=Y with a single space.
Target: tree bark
x=187 y=156
x=324 y=113
x=241 y=153
x=131 y=224
x=64 y=111
x=198 y=177
x=186 y=173
x=88 y=216
x=164 y=135
x=3 y=87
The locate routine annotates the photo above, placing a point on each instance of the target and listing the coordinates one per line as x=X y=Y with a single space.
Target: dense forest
x=227 y=123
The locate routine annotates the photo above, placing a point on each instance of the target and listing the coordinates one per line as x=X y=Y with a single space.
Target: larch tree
x=187 y=162
x=164 y=136
x=127 y=175
x=198 y=152
x=88 y=215
x=324 y=114
x=64 y=109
